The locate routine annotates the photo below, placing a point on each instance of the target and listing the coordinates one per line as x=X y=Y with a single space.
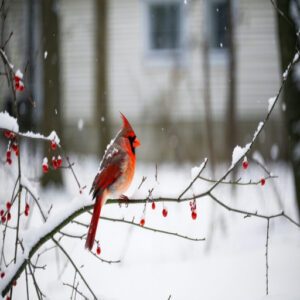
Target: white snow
x=53 y=137
x=238 y=153
x=285 y=73
x=296 y=57
x=19 y=74
x=233 y=268
x=27 y=184
x=258 y=129
x=7 y=122
x=271 y=103
x=196 y=170
x=45 y=54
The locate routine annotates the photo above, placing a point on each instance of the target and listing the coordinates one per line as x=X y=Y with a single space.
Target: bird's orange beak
x=136 y=143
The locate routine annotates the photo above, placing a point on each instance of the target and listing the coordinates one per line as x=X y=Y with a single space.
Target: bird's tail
x=94 y=222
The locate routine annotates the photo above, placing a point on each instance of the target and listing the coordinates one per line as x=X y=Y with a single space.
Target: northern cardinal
x=115 y=173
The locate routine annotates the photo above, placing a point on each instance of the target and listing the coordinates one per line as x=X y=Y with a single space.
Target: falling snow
x=80 y=124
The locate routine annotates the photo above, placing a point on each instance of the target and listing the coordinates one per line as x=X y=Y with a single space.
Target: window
x=219 y=24
x=164 y=28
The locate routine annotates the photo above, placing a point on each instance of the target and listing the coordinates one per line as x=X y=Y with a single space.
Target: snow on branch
x=9 y=123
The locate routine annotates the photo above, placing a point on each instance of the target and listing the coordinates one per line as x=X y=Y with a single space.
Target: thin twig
x=267 y=257
x=76 y=290
x=74 y=265
x=203 y=165
x=153 y=229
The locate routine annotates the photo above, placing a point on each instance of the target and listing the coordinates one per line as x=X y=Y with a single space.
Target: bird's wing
x=110 y=171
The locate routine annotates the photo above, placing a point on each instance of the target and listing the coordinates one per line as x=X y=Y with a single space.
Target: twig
x=143 y=180
x=203 y=165
x=37 y=288
x=267 y=257
x=74 y=265
x=153 y=229
x=238 y=181
x=77 y=291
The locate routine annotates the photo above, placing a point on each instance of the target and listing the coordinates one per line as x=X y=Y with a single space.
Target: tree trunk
x=102 y=115
x=207 y=102
x=291 y=94
x=231 y=127
x=52 y=118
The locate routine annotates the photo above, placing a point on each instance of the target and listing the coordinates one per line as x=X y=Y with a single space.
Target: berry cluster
x=5 y=214
x=19 y=85
x=193 y=207
x=12 y=146
x=56 y=161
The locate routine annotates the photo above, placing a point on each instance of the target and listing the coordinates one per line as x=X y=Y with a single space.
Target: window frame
x=217 y=54
x=165 y=56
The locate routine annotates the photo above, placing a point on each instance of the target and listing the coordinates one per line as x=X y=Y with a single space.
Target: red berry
x=98 y=250
x=14 y=282
x=153 y=205
x=8 y=298
x=53 y=145
x=8 y=134
x=1 y=212
x=14 y=146
x=245 y=165
x=2 y=274
x=8 y=205
x=3 y=219
x=45 y=168
x=164 y=212
x=263 y=181
x=59 y=161
x=8 y=154
x=22 y=87
x=17 y=78
x=26 y=212
x=8 y=216
x=17 y=85
x=27 y=206
x=194 y=215
x=54 y=163
x=142 y=222
x=9 y=161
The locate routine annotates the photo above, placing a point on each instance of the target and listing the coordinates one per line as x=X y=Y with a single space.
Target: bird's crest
x=126 y=123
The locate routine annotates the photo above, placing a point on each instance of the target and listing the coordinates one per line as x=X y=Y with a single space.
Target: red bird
x=115 y=173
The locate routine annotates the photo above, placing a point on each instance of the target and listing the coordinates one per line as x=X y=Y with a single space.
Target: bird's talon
x=123 y=199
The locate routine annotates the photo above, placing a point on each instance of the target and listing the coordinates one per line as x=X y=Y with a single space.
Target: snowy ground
x=230 y=264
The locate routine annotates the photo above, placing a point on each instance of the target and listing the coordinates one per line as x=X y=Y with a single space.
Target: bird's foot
x=123 y=199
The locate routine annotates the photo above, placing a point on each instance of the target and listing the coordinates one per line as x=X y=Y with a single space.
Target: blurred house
x=156 y=74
